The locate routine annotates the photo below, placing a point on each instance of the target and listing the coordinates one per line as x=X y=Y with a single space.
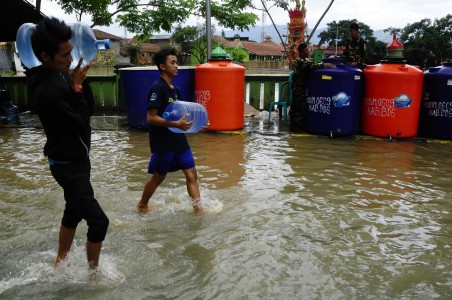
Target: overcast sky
x=377 y=14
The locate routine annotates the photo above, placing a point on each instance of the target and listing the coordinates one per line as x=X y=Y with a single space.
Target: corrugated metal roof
x=14 y=13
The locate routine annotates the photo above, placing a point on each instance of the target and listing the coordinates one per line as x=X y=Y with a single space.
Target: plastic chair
x=283 y=95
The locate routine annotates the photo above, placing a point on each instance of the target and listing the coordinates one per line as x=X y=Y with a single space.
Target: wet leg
x=66 y=237
x=149 y=189
x=93 y=253
x=191 y=176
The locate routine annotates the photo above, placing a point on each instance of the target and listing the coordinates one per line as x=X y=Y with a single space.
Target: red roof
x=266 y=48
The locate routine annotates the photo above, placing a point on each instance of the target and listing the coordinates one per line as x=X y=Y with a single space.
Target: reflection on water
x=287 y=218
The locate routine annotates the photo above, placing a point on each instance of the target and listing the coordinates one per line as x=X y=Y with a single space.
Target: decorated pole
x=296 y=28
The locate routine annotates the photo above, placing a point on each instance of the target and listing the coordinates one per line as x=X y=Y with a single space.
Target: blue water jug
x=23 y=44
x=83 y=40
x=85 y=44
x=12 y=114
x=197 y=114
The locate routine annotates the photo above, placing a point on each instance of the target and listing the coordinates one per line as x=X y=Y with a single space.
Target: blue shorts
x=163 y=163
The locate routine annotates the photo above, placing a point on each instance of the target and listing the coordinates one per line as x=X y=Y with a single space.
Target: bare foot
x=142 y=209
x=107 y=278
x=199 y=209
x=197 y=206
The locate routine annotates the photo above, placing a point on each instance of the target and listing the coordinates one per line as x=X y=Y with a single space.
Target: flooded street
x=287 y=217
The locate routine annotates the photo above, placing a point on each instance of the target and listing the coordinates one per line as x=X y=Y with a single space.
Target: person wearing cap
x=355 y=47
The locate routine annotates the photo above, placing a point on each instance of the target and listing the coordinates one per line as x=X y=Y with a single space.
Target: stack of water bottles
x=83 y=40
x=197 y=114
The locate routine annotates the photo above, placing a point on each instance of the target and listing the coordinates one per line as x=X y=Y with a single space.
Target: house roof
x=161 y=37
x=144 y=47
x=14 y=14
x=266 y=48
x=102 y=35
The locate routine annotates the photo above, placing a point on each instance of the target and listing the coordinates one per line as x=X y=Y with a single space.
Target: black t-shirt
x=161 y=139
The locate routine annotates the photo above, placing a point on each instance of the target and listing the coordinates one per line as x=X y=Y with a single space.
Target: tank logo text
x=319 y=104
x=380 y=107
x=437 y=108
x=202 y=97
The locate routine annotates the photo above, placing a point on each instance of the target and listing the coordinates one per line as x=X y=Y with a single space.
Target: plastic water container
x=135 y=83
x=85 y=44
x=23 y=45
x=391 y=99
x=83 y=40
x=435 y=119
x=220 y=87
x=334 y=100
x=12 y=114
x=197 y=114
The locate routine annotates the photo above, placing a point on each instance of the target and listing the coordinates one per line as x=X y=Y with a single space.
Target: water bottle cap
x=103 y=44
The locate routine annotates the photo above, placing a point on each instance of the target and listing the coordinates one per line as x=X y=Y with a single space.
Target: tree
x=133 y=49
x=185 y=38
x=192 y=40
x=238 y=55
x=424 y=36
x=341 y=31
x=156 y=15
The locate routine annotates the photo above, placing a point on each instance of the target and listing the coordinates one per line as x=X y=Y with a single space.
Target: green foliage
x=424 y=36
x=238 y=55
x=133 y=49
x=418 y=38
x=343 y=32
x=156 y=15
x=192 y=40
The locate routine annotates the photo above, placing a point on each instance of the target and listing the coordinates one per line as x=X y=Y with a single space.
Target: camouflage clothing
x=299 y=107
x=355 y=51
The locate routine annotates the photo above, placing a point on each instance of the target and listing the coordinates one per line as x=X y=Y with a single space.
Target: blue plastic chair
x=284 y=99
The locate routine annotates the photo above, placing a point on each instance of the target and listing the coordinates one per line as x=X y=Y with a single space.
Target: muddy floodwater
x=287 y=217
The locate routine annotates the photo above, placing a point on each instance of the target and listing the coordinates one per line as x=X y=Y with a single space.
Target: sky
x=377 y=14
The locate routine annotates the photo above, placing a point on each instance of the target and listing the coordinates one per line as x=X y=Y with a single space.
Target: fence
x=260 y=91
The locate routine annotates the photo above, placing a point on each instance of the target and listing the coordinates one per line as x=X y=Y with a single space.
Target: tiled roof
x=102 y=35
x=266 y=48
x=144 y=47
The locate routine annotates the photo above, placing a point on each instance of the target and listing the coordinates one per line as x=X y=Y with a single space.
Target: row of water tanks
x=390 y=99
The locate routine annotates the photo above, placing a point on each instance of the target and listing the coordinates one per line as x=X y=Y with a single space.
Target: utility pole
x=318 y=22
x=208 y=30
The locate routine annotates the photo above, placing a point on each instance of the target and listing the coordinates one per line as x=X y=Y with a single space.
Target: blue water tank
x=334 y=100
x=137 y=81
x=435 y=117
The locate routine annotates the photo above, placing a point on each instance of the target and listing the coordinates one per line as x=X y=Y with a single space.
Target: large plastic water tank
x=435 y=119
x=391 y=99
x=137 y=81
x=220 y=87
x=334 y=100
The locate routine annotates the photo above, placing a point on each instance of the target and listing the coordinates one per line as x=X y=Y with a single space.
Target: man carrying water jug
x=64 y=103
x=170 y=151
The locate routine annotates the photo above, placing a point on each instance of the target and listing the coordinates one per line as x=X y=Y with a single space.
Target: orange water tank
x=220 y=87
x=392 y=96
x=392 y=100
